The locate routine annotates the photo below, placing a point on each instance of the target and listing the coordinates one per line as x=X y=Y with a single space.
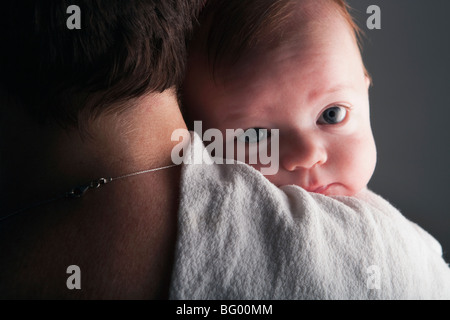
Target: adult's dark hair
x=123 y=50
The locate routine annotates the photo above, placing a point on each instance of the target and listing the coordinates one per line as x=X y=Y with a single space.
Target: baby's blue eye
x=253 y=135
x=333 y=115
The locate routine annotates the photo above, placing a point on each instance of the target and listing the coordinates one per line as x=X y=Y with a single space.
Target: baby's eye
x=253 y=135
x=333 y=115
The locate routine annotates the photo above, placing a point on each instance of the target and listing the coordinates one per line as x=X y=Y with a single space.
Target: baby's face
x=314 y=91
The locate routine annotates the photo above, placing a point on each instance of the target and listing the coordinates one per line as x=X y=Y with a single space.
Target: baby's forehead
x=313 y=47
x=297 y=23
x=309 y=22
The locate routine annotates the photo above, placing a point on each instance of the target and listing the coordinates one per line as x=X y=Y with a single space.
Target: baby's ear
x=368 y=80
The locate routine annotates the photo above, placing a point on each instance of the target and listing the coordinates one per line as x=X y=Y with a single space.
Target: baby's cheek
x=274 y=178
x=361 y=162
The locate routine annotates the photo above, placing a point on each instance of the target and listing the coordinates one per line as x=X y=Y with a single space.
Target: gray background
x=409 y=60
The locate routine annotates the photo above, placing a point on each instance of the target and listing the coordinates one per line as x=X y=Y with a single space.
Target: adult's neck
x=39 y=162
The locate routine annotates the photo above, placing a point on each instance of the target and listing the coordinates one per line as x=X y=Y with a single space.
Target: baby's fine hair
x=230 y=28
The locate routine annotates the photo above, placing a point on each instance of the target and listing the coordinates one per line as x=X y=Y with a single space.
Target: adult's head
x=124 y=49
x=117 y=78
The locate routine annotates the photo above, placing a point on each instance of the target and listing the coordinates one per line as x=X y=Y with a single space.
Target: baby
x=292 y=65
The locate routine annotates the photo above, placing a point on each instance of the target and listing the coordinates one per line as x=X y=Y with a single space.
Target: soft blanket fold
x=240 y=237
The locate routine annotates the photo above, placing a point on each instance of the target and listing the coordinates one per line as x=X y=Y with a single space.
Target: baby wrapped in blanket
x=241 y=237
x=291 y=75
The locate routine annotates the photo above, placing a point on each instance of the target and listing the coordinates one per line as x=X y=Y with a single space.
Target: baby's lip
x=319 y=189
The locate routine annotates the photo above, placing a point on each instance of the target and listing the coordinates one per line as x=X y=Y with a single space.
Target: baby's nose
x=304 y=152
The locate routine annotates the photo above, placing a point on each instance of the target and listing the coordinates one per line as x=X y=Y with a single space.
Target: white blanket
x=240 y=237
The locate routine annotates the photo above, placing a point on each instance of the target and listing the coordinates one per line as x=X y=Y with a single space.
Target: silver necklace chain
x=79 y=191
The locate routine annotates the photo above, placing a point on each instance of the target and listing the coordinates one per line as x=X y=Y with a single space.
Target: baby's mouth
x=321 y=189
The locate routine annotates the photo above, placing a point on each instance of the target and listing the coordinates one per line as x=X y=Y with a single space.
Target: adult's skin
x=121 y=235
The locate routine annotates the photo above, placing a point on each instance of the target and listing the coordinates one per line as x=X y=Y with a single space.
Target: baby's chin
x=332 y=189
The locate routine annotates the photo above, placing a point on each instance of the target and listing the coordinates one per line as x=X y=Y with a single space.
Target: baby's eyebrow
x=316 y=93
x=244 y=113
x=236 y=116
